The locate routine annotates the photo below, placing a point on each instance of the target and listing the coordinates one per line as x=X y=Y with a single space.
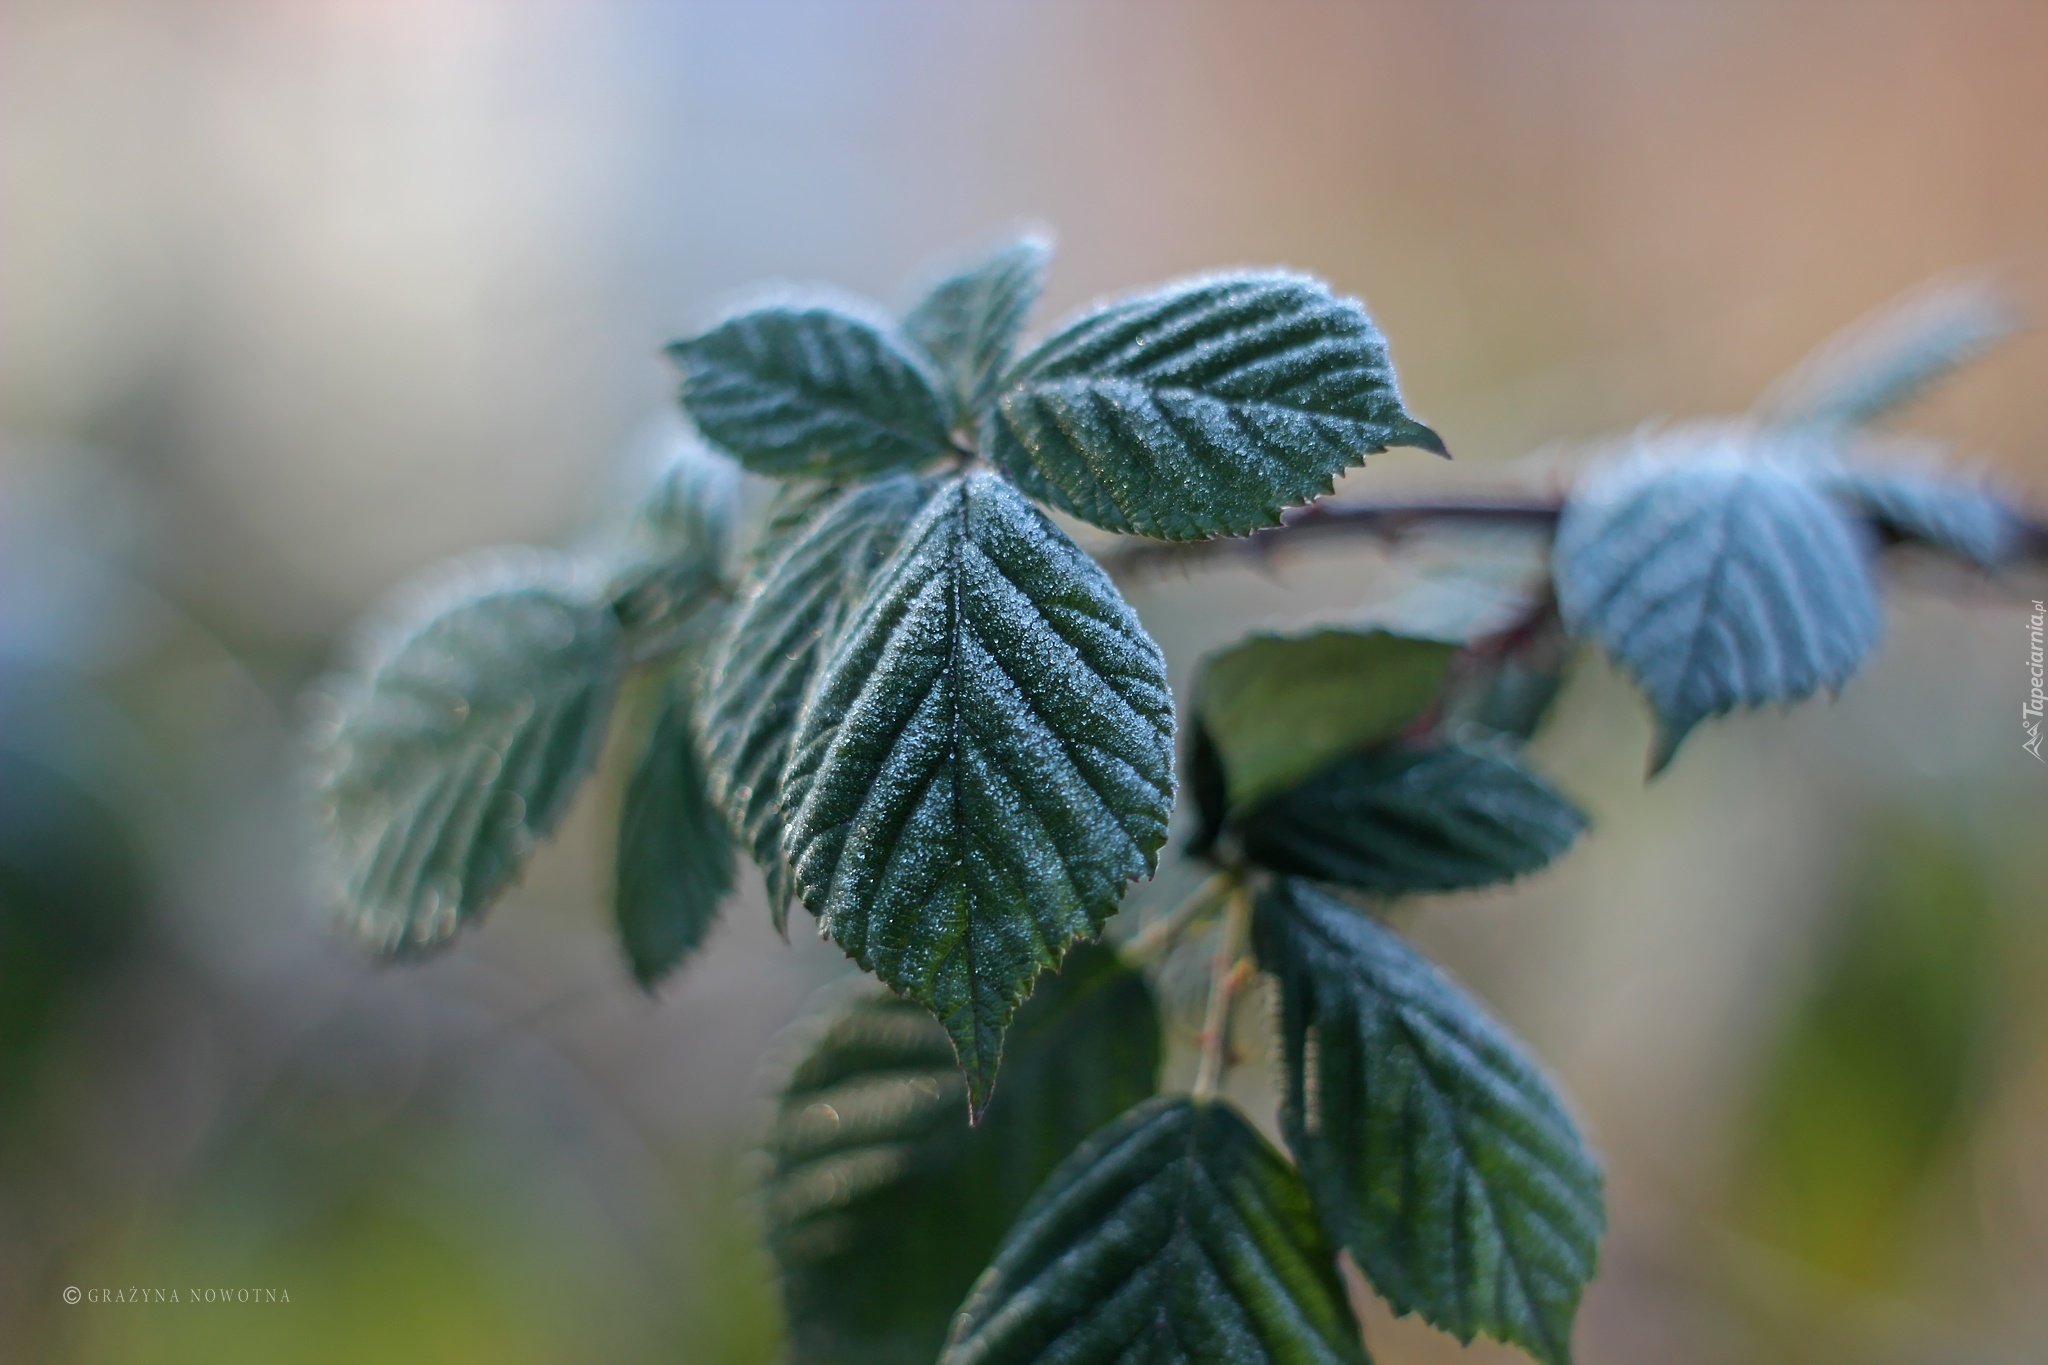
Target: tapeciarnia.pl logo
x=2030 y=714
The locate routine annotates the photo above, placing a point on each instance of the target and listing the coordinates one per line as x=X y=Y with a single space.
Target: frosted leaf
x=1177 y=1236
x=806 y=576
x=1720 y=582
x=1205 y=408
x=1436 y=1150
x=812 y=388
x=984 y=762
x=969 y=321
x=883 y=1204
x=674 y=861
x=478 y=712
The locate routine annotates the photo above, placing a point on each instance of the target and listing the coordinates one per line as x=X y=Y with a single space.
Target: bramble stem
x=1390 y=520
x=1224 y=979
x=1162 y=933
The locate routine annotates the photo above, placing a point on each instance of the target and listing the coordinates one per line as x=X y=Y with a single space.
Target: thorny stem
x=1164 y=932
x=1224 y=980
x=1390 y=520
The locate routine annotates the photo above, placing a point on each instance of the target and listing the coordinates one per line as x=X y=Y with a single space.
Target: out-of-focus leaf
x=1718 y=581
x=1435 y=1149
x=1873 y=1083
x=1402 y=818
x=1279 y=707
x=804 y=579
x=884 y=1204
x=1508 y=683
x=812 y=389
x=1205 y=408
x=72 y=898
x=675 y=548
x=463 y=742
x=1948 y=513
x=674 y=858
x=1889 y=358
x=986 y=759
x=969 y=321
x=1176 y=1235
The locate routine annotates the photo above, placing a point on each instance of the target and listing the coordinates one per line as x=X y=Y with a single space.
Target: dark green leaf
x=675 y=859
x=477 y=718
x=1949 y=513
x=1205 y=408
x=1890 y=358
x=1279 y=707
x=807 y=575
x=1176 y=1236
x=1414 y=817
x=970 y=321
x=812 y=389
x=675 y=548
x=884 y=1204
x=1718 y=582
x=984 y=762
x=1508 y=684
x=1210 y=788
x=1435 y=1148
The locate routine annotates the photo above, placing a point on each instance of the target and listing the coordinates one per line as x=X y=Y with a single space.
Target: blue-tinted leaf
x=1435 y=1149
x=1402 y=818
x=1948 y=513
x=474 y=723
x=806 y=575
x=1205 y=408
x=674 y=861
x=969 y=321
x=1888 y=359
x=1719 y=583
x=812 y=389
x=884 y=1204
x=1176 y=1236
x=1279 y=707
x=984 y=762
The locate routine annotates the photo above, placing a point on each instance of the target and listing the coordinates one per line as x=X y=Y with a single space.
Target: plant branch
x=1224 y=979
x=1390 y=520
x=1162 y=933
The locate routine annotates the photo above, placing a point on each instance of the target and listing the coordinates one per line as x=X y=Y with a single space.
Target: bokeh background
x=302 y=295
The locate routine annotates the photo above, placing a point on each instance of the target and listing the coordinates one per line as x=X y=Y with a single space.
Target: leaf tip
x=1670 y=735
x=1414 y=434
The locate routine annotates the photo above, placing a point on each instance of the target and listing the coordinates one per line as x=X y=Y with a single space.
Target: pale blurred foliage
x=303 y=296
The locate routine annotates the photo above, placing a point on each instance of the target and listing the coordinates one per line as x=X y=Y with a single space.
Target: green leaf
x=1507 y=684
x=1718 y=582
x=674 y=859
x=1890 y=358
x=1948 y=513
x=812 y=389
x=1435 y=1149
x=985 y=761
x=1280 y=707
x=480 y=712
x=808 y=573
x=675 y=548
x=1176 y=1236
x=1424 y=817
x=969 y=321
x=884 y=1204
x=1206 y=408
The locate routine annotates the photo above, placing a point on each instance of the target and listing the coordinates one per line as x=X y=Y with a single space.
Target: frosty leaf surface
x=985 y=760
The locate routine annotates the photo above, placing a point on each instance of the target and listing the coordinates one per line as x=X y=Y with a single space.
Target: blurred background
x=300 y=297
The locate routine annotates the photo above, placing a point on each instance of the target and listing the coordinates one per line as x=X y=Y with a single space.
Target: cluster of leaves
x=930 y=717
